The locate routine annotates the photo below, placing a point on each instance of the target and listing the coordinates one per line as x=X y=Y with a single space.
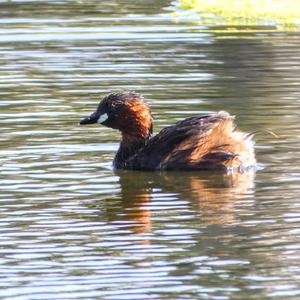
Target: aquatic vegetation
x=251 y=11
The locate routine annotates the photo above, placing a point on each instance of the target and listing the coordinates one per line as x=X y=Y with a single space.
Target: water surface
x=71 y=227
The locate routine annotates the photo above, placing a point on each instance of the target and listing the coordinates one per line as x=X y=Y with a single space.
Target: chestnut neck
x=135 y=123
x=129 y=146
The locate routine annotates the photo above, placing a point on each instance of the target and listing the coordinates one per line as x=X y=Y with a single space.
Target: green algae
x=284 y=12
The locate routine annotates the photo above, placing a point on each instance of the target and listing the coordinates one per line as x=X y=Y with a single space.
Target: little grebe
x=197 y=143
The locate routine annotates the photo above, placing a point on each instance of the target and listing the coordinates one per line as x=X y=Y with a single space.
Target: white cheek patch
x=102 y=118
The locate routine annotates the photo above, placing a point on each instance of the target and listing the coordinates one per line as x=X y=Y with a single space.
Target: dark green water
x=72 y=228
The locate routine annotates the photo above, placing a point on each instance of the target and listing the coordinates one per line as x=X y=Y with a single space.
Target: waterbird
x=202 y=142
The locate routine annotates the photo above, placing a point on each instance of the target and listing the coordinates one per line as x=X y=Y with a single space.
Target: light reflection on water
x=73 y=228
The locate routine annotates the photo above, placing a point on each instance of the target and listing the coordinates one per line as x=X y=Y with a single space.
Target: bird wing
x=185 y=145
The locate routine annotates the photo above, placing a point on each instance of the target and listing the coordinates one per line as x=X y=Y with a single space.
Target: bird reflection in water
x=211 y=196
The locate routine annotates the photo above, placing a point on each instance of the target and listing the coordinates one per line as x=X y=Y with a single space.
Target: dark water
x=71 y=227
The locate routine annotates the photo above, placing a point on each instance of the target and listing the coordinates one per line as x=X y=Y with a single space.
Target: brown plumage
x=198 y=143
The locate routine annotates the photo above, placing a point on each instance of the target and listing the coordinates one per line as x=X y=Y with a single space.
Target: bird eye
x=111 y=108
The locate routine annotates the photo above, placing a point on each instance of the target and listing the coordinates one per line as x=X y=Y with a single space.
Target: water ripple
x=72 y=227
